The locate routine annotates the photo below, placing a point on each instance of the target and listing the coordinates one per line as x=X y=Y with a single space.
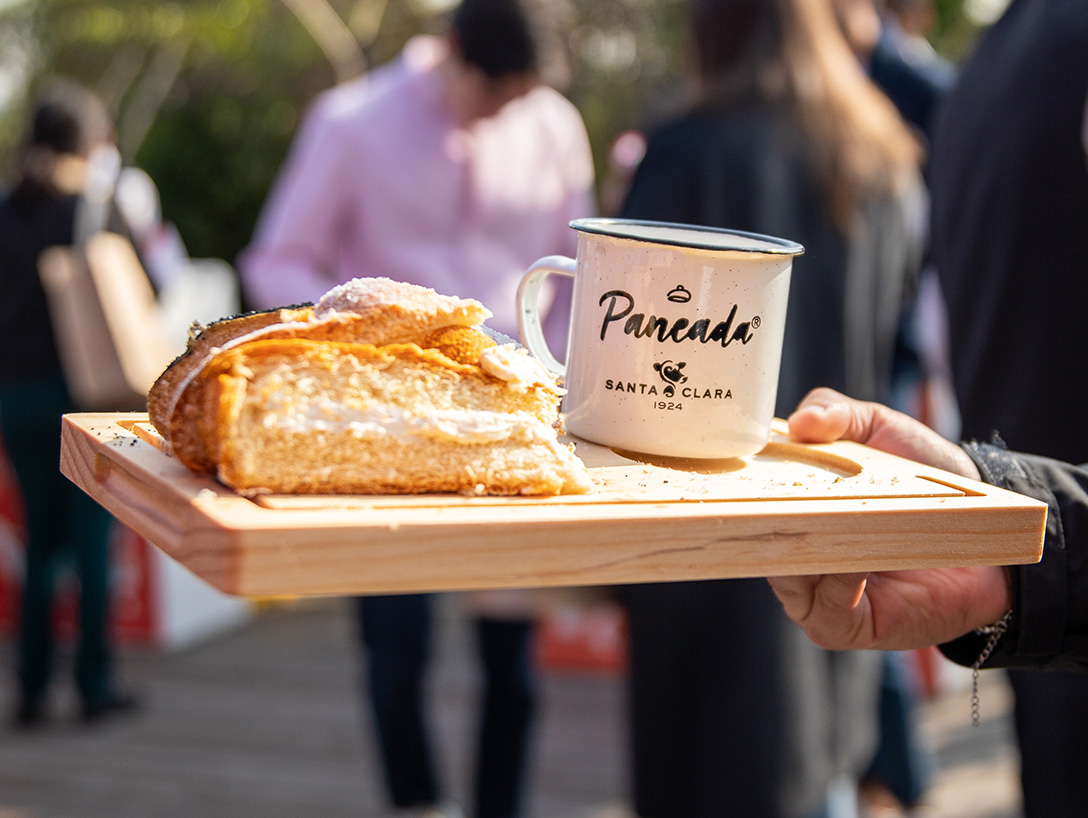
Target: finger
x=827 y=607
x=838 y=594
x=823 y=415
x=796 y=595
x=826 y=595
x=839 y=620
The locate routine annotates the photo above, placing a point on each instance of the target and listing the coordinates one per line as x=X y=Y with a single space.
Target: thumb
x=824 y=415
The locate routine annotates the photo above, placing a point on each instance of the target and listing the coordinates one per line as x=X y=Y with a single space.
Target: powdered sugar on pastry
x=362 y=296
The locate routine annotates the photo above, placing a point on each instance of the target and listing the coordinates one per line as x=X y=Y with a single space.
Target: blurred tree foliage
x=208 y=93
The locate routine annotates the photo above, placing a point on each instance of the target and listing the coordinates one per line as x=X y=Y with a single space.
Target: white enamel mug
x=675 y=337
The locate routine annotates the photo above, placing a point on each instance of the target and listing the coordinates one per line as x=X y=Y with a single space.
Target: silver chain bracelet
x=995 y=632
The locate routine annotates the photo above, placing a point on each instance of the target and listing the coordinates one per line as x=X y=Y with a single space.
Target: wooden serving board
x=791 y=509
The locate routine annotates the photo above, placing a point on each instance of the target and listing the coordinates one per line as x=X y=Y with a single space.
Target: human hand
x=824 y=415
x=892 y=610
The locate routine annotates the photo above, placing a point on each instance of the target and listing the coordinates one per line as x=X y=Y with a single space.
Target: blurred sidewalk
x=267 y=722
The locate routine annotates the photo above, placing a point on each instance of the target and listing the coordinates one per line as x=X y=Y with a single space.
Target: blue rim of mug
x=696 y=236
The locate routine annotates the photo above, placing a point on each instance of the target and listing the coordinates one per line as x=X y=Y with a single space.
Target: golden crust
x=307 y=350
x=459 y=343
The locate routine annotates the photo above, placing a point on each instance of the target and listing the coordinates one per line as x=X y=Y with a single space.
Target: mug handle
x=529 y=325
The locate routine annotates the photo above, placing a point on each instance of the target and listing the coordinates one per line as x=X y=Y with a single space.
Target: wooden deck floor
x=267 y=721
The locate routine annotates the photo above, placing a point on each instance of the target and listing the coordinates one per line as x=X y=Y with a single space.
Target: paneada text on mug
x=675 y=337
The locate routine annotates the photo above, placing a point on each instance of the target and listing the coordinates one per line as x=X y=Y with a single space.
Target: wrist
x=995 y=599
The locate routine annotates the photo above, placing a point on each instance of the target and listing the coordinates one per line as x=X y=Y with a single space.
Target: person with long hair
x=783 y=134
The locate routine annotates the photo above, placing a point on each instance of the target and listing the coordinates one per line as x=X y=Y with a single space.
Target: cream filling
x=515 y=366
x=386 y=421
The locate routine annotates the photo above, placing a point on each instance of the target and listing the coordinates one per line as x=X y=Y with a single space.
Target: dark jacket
x=32 y=220
x=29 y=223
x=1009 y=183
x=1049 y=625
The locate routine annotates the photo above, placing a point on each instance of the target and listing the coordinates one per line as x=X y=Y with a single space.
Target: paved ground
x=266 y=721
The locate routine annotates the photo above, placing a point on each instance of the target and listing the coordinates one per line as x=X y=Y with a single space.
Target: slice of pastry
x=406 y=397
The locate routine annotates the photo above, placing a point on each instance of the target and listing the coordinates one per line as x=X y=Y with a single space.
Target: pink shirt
x=381 y=181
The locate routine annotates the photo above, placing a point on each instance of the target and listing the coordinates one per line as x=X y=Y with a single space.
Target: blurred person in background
x=454 y=167
x=916 y=79
x=905 y=67
x=625 y=152
x=1009 y=185
x=731 y=713
x=914 y=21
x=68 y=147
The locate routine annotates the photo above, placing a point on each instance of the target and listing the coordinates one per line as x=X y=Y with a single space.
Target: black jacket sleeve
x=1049 y=625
